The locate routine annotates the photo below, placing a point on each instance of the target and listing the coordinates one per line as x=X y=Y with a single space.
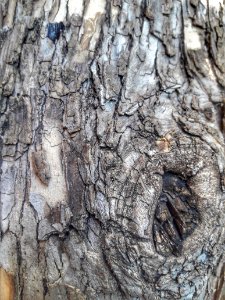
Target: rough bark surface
x=112 y=149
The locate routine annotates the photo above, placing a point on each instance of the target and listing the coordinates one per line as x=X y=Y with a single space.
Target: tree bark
x=112 y=149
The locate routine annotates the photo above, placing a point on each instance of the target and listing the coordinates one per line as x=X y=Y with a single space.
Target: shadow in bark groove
x=176 y=215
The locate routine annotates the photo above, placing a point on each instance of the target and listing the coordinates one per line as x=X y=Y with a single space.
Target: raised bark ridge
x=112 y=148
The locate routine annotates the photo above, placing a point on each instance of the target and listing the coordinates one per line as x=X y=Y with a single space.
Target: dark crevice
x=176 y=215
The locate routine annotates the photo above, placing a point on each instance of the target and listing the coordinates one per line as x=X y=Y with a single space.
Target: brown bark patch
x=164 y=143
x=7 y=291
x=41 y=167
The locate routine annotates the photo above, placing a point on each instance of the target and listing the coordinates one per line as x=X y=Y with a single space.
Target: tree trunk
x=112 y=149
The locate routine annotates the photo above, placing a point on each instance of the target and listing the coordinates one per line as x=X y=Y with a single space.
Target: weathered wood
x=112 y=149
x=6 y=285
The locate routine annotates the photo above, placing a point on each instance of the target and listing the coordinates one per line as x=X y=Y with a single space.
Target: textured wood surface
x=7 y=289
x=112 y=148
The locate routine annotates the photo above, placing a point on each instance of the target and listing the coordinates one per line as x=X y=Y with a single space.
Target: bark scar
x=41 y=167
